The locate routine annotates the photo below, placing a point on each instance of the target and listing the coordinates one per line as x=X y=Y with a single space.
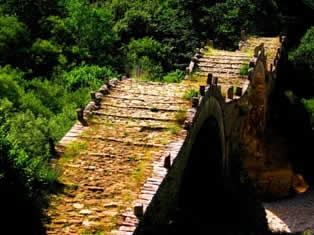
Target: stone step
x=223 y=66
x=225 y=57
x=220 y=70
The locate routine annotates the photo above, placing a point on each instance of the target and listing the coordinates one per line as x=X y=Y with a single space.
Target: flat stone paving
x=117 y=162
x=106 y=165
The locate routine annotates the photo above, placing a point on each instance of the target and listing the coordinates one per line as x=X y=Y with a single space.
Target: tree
x=302 y=60
x=31 y=11
x=92 y=31
x=144 y=58
x=13 y=37
x=9 y=87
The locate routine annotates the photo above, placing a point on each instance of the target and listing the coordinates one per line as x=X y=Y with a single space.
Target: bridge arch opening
x=202 y=183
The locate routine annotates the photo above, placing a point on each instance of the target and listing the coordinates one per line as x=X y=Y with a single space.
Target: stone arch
x=203 y=183
x=172 y=201
x=210 y=117
x=207 y=160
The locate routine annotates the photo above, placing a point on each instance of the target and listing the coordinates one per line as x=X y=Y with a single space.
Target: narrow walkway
x=106 y=165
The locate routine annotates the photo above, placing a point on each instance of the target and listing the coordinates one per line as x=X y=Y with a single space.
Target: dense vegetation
x=53 y=53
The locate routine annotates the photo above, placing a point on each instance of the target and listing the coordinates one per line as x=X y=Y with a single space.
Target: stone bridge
x=139 y=146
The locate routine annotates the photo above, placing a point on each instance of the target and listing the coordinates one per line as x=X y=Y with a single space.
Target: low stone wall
x=82 y=115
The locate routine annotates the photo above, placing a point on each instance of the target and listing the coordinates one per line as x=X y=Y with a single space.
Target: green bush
x=189 y=94
x=46 y=55
x=244 y=69
x=134 y=24
x=176 y=76
x=225 y=20
x=30 y=133
x=13 y=35
x=144 y=56
x=304 y=54
x=9 y=85
x=92 y=31
x=87 y=76
x=309 y=105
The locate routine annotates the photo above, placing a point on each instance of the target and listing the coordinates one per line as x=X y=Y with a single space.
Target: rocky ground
x=292 y=215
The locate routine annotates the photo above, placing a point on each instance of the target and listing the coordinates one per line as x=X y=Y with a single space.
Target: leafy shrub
x=45 y=55
x=176 y=76
x=12 y=34
x=304 y=54
x=244 y=69
x=302 y=61
x=309 y=105
x=30 y=133
x=144 y=56
x=134 y=24
x=91 y=29
x=33 y=171
x=190 y=94
x=75 y=148
x=9 y=87
x=87 y=76
x=154 y=109
x=226 y=19
x=29 y=101
x=180 y=116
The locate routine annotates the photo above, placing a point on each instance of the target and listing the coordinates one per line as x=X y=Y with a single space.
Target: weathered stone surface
x=78 y=206
x=86 y=212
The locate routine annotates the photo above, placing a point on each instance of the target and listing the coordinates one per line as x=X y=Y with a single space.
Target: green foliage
x=30 y=11
x=144 y=56
x=176 y=76
x=9 y=87
x=153 y=109
x=32 y=171
x=310 y=3
x=87 y=76
x=134 y=24
x=189 y=94
x=244 y=69
x=228 y=18
x=45 y=55
x=180 y=116
x=174 y=129
x=13 y=37
x=304 y=54
x=309 y=105
x=31 y=133
x=307 y=231
x=91 y=30
x=75 y=148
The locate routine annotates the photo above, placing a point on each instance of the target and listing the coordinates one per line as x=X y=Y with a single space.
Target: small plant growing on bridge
x=176 y=76
x=244 y=69
x=174 y=129
x=189 y=94
x=307 y=232
x=209 y=50
x=75 y=148
x=153 y=109
x=180 y=116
